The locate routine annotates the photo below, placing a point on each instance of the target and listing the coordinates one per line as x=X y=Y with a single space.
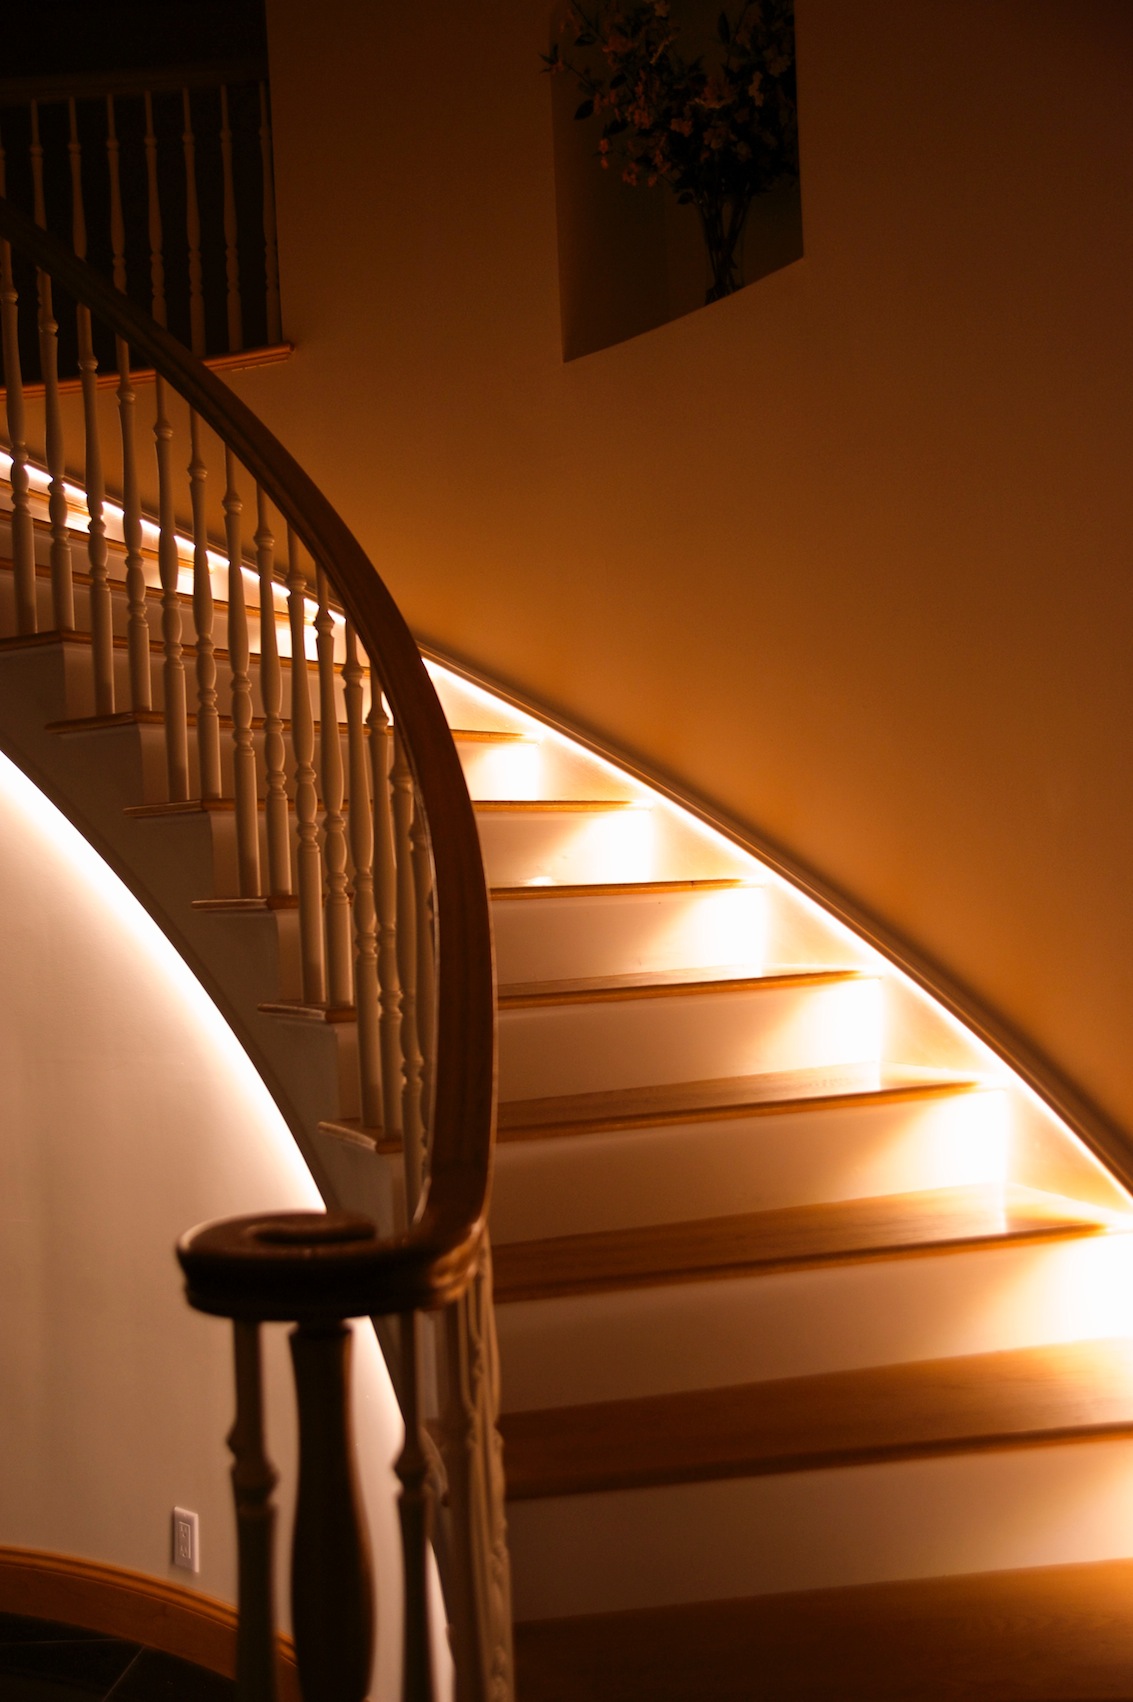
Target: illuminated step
x=804 y=1290
x=653 y=1029
x=1027 y=1505
x=892 y=1138
x=545 y=931
x=598 y=840
x=1057 y=1632
x=1071 y=1392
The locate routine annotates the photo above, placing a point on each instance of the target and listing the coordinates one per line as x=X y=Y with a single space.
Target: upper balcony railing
x=163 y=180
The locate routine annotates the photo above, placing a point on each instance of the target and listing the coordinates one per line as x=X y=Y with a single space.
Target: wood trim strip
x=1022 y=1397
x=665 y=985
x=586 y=1114
x=133 y=1606
x=550 y=806
x=615 y=889
x=106 y=379
x=788 y=1238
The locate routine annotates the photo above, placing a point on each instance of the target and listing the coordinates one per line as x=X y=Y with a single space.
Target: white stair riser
x=576 y=846
x=709 y=1334
x=1037 y=1506
x=586 y=1047
x=546 y=939
x=536 y=768
x=633 y=1177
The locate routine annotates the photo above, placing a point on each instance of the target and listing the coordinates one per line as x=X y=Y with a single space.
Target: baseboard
x=131 y=1605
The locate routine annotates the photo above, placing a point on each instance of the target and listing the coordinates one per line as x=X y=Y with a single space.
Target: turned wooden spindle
x=153 y=204
x=306 y=796
x=137 y=621
x=415 y=1514
x=365 y=916
x=385 y=903
x=239 y=657
x=102 y=641
x=413 y=1134
x=271 y=695
x=340 y=980
x=426 y=963
x=231 y=248
x=193 y=229
x=208 y=720
x=271 y=249
x=253 y=1483
x=23 y=533
x=62 y=585
x=169 y=568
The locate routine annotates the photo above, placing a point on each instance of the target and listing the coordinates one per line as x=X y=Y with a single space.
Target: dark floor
x=41 y=1661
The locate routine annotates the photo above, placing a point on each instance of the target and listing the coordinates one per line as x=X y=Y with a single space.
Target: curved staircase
x=814 y=1321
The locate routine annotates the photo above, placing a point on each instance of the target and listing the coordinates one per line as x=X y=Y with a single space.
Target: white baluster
x=271 y=695
x=365 y=916
x=193 y=230
x=169 y=567
x=231 y=250
x=426 y=964
x=239 y=654
x=102 y=641
x=385 y=900
x=306 y=797
x=62 y=585
x=137 y=628
x=479 y=1573
x=23 y=533
x=411 y=1059
x=340 y=987
x=156 y=260
x=271 y=249
x=208 y=722
x=415 y=1515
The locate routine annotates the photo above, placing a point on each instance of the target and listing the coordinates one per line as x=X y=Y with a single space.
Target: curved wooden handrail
x=434 y=1260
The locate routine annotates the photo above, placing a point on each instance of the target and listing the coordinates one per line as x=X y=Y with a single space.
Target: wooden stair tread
x=1047 y=1634
x=726 y=1096
x=551 y=806
x=615 y=889
x=664 y=983
x=787 y=1237
x=1023 y=1396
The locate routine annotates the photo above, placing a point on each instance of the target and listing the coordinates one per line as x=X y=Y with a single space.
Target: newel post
x=308 y=1269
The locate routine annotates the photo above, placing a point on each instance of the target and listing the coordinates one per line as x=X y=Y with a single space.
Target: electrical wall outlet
x=186 y=1540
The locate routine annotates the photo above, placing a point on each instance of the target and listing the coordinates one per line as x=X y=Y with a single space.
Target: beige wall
x=848 y=553
x=129 y=1114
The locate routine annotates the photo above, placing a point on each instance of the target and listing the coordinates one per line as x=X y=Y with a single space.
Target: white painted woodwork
x=23 y=547
x=309 y=862
x=797 y=1323
x=239 y=660
x=618 y=933
x=363 y=910
x=339 y=968
x=714 y=1167
x=975 y=1512
x=385 y=902
x=634 y=842
x=271 y=696
x=208 y=723
x=153 y=211
x=412 y=1061
x=174 y=697
x=137 y=628
x=696 y=1036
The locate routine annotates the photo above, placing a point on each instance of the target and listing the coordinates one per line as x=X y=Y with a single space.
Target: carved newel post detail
x=311 y=1269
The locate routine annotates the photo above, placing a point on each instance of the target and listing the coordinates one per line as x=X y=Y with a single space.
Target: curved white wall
x=130 y=1114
